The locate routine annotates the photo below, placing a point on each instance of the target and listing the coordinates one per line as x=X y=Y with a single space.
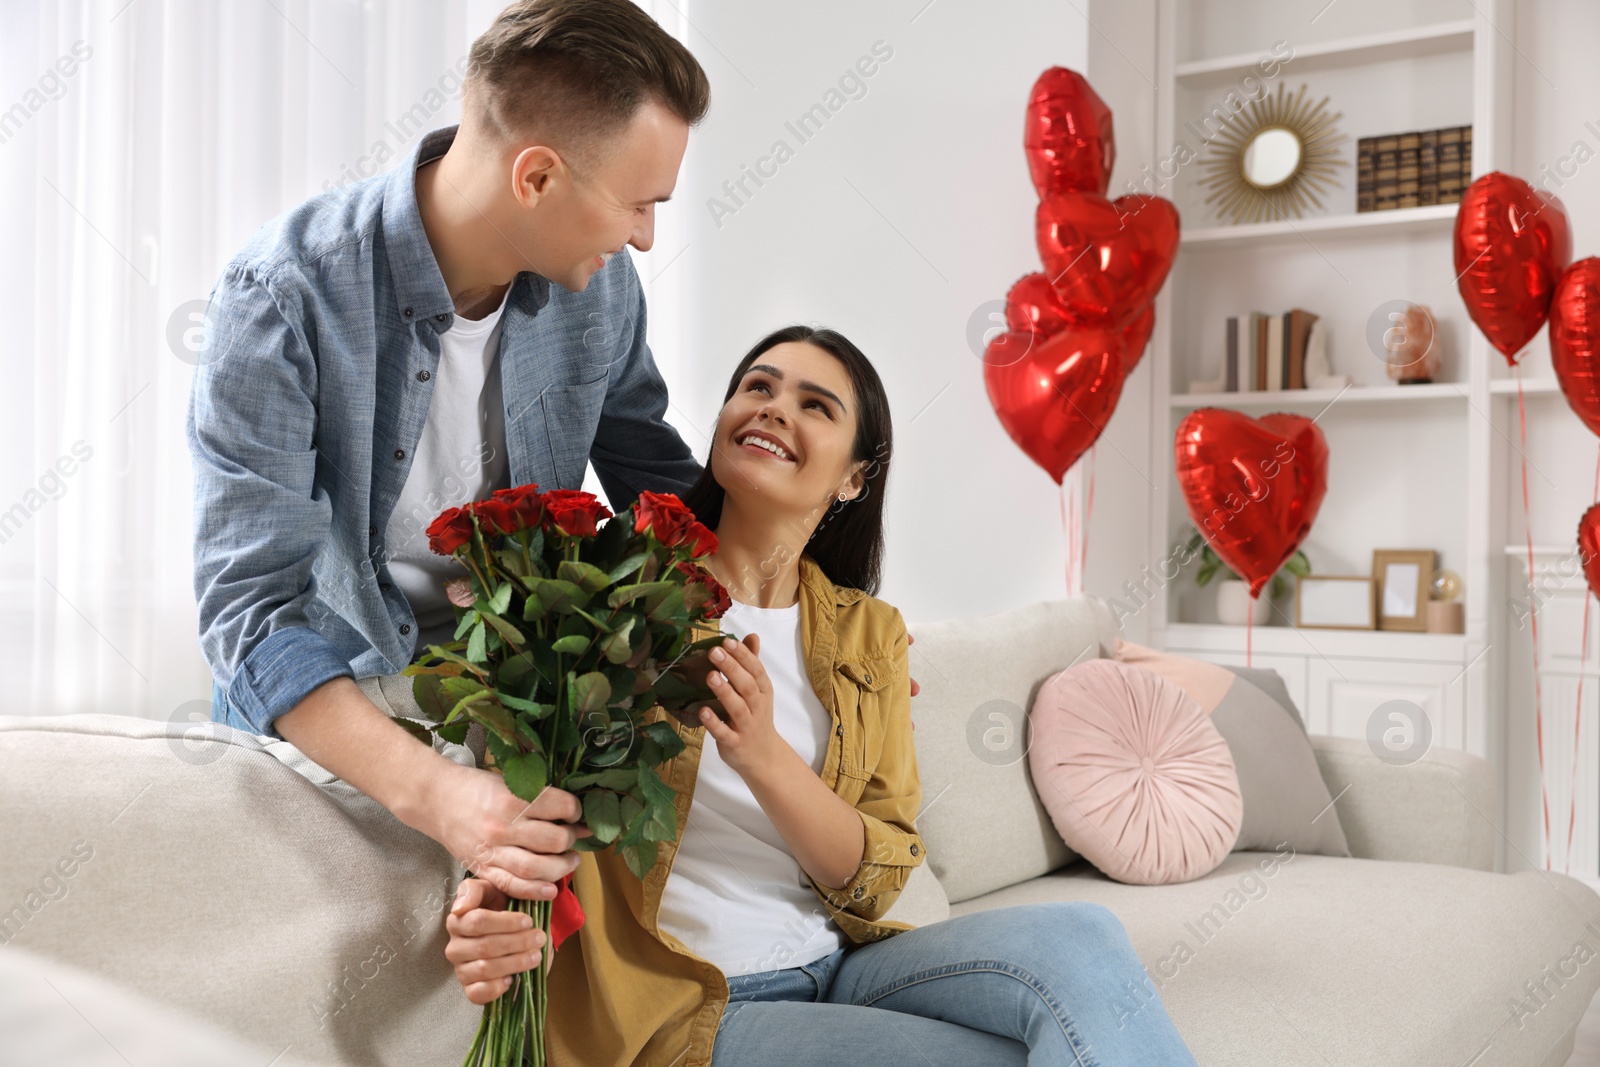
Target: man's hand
x=489 y=944
x=522 y=849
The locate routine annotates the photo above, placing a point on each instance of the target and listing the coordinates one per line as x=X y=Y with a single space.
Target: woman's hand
x=746 y=739
x=489 y=944
x=522 y=849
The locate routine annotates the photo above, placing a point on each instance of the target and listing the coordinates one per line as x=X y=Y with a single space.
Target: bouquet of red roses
x=568 y=635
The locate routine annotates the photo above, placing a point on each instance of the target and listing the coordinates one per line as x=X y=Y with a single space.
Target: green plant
x=1211 y=563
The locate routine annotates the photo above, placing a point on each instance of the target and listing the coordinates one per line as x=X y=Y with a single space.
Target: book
x=1230 y=363
x=1366 y=168
x=1413 y=169
x=1258 y=358
x=1299 y=332
x=1274 y=352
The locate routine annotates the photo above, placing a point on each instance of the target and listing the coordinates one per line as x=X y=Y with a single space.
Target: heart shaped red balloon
x=1106 y=259
x=1589 y=547
x=1137 y=336
x=1512 y=242
x=1033 y=307
x=1575 y=339
x=1067 y=136
x=1054 y=394
x=1253 y=486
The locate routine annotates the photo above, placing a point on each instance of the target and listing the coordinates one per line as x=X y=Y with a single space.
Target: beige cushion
x=981 y=820
x=229 y=877
x=1340 y=961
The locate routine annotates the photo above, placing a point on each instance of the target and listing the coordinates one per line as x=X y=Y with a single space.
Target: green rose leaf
x=476 y=649
x=585 y=576
x=501 y=599
x=428 y=690
x=510 y=633
x=588 y=692
x=601 y=814
x=653 y=593
x=640 y=858
x=527 y=707
x=575 y=645
x=525 y=776
x=619 y=646
x=559 y=595
x=627 y=567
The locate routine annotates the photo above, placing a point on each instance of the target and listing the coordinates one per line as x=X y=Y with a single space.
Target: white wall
x=905 y=213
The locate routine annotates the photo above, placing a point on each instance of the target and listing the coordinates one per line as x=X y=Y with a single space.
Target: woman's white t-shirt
x=736 y=896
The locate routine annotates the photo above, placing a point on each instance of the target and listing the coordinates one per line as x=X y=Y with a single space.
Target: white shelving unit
x=1419 y=466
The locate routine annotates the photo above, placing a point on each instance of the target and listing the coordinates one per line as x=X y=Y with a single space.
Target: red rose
x=663 y=515
x=451 y=530
x=700 y=539
x=720 y=601
x=574 y=512
x=526 y=502
x=717 y=599
x=497 y=517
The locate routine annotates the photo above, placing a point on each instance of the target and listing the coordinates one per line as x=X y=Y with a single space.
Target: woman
x=759 y=937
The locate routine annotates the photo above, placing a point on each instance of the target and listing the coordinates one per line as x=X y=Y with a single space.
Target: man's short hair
x=575 y=72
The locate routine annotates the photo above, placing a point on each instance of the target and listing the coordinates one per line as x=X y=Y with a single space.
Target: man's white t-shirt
x=460 y=457
x=736 y=896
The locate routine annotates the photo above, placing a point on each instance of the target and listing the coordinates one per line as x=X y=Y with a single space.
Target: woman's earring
x=841 y=496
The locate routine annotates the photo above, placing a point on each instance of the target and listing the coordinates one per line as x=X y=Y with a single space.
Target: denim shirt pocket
x=861 y=714
x=571 y=417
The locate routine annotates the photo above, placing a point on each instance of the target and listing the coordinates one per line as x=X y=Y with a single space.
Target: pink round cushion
x=1134 y=775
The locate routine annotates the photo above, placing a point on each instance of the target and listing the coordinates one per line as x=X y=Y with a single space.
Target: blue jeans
x=1036 y=985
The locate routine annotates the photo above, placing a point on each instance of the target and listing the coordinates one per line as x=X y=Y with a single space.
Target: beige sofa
x=154 y=875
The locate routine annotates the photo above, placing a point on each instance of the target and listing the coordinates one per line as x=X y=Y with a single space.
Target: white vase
x=1234 y=604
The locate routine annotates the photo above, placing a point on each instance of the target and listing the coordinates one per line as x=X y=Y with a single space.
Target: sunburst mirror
x=1274 y=159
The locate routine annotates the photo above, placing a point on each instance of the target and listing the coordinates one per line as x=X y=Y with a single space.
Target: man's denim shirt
x=310 y=400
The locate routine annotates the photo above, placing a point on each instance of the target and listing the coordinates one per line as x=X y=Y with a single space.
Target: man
x=416 y=340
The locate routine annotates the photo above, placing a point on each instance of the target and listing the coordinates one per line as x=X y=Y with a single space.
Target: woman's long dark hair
x=848 y=542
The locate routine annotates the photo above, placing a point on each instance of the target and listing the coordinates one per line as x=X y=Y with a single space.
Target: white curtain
x=142 y=142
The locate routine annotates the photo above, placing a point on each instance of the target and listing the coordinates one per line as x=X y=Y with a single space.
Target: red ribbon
x=566 y=914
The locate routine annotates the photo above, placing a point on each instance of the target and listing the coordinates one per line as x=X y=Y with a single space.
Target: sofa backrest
x=981 y=819
x=228 y=876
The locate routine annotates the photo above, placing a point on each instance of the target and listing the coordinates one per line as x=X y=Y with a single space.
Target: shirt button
x=407 y=313
x=440 y=318
x=372 y=531
x=405 y=628
x=399 y=453
x=423 y=375
x=385 y=587
x=860 y=892
x=868 y=677
x=915 y=850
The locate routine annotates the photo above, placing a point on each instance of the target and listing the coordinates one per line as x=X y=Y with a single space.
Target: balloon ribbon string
x=1066 y=533
x=1088 y=512
x=1249 y=617
x=1577 y=714
x=1533 y=617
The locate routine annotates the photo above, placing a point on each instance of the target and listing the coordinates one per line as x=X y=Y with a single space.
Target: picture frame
x=1335 y=602
x=1401 y=578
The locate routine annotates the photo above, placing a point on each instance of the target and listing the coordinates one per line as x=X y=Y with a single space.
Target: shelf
x=1336 y=644
x=1410 y=43
x=1520 y=550
x=1530 y=386
x=1354 y=394
x=1367 y=223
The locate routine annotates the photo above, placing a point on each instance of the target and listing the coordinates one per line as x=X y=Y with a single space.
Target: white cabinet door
x=1343 y=694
